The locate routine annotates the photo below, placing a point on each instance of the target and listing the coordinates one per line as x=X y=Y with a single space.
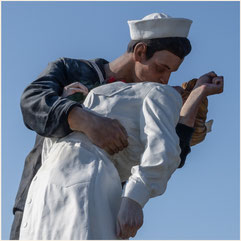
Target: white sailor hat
x=159 y=25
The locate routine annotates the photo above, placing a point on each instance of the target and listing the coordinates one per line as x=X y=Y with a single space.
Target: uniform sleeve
x=43 y=108
x=185 y=134
x=158 y=119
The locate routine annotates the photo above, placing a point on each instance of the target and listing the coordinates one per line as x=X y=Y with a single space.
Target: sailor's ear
x=139 y=52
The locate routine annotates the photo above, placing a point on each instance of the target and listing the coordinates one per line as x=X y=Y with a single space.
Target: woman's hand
x=129 y=219
x=75 y=87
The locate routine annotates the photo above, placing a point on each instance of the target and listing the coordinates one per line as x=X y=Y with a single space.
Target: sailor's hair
x=181 y=47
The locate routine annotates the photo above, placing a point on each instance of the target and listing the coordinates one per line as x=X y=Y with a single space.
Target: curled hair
x=181 y=47
x=200 y=129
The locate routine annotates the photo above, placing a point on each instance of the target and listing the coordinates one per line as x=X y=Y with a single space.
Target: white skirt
x=76 y=194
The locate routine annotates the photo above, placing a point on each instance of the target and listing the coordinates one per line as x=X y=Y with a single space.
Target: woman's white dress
x=76 y=193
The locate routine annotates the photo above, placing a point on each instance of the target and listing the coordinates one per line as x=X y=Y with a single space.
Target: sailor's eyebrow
x=166 y=66
x=174 y=70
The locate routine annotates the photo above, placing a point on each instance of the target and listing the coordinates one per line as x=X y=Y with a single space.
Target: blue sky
x=202 y=199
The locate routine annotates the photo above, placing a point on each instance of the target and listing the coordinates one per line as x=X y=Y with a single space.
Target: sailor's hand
x=129 y=219
x=75 y=87
x=210 y=83
x=105 y=133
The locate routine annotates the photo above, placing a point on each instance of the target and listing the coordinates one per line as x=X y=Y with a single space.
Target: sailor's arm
x=43 y=108
x=104 y=132
x=50 y=114
x=207 y=84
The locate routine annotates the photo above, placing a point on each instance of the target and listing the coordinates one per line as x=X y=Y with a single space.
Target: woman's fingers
x=124 y=233
x=77 y=85
x=128 y=230
x=71 y=91
x=130 y=218
x=74 y=88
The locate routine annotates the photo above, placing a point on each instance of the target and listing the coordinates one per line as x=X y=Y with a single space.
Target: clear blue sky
x=202 y=199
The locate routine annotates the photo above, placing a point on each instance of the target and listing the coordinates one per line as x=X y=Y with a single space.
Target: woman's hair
x=200 y=129
x=181 y=47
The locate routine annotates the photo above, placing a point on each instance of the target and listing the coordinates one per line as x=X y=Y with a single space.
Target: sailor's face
x=158 y=68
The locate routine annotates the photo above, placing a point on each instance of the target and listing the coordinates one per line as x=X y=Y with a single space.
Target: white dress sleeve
x=158 y=119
